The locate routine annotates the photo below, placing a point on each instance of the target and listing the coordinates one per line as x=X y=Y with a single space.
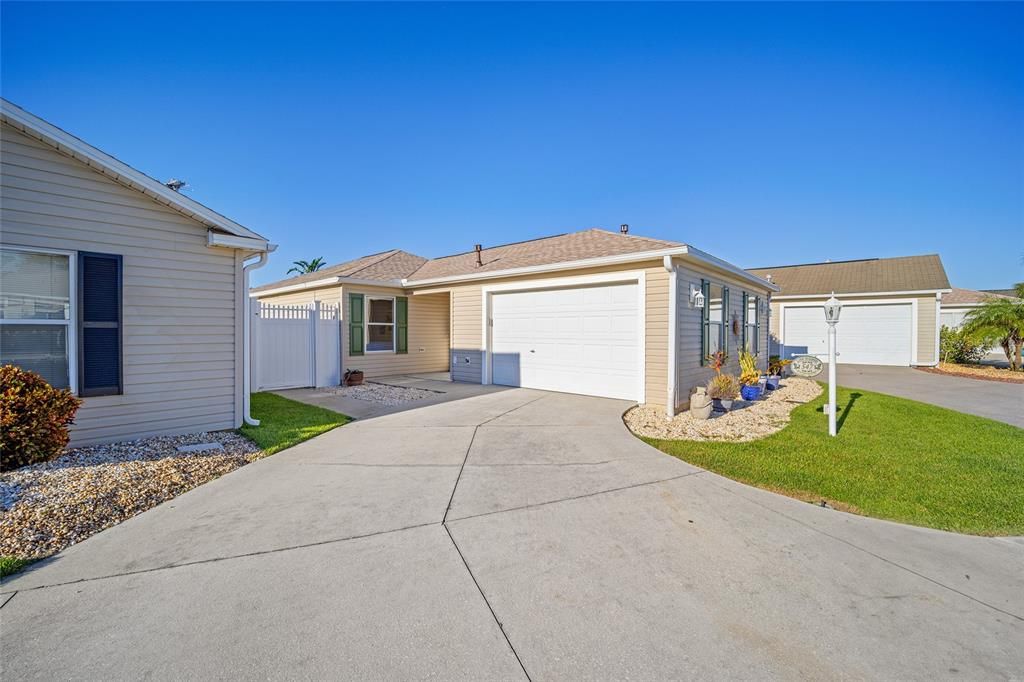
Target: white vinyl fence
x=295 y=346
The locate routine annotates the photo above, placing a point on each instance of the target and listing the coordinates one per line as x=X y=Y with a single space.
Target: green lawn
x=893 y=458
x=284 y=422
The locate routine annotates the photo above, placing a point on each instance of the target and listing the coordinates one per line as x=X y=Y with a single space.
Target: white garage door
x=866 y=334
x=575 y=340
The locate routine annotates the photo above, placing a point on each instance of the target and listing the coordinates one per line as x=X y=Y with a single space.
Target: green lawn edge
x=893 y=458
x=285 y=422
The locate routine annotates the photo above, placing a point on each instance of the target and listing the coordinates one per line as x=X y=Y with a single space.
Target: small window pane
x=752 y=311
x=380 y=337
x=41 y=348
x=34 y=286
x=382 y=311
x=714 y=338
x=715 y=304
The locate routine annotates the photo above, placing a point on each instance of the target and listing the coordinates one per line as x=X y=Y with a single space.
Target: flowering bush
x=34 y=418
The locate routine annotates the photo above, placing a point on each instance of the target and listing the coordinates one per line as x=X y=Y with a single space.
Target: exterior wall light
x=696 y=297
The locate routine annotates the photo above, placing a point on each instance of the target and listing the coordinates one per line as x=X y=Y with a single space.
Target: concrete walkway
x=509 y=535
x=996 y=400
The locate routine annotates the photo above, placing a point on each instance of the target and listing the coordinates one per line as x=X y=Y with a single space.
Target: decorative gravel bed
x=47 y=507
x=746 y=421
x=385 y=394
x=983 y=372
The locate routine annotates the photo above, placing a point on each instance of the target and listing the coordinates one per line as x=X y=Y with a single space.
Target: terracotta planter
x=353 y=377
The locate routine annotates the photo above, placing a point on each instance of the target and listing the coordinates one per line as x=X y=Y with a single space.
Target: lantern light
x=832 y=308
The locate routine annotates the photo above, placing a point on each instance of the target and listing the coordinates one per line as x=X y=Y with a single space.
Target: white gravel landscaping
x=49 y=506
x=746 y=422
x=385 y=394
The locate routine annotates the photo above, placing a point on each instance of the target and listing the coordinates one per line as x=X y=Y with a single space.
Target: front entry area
x=865 y=335
x=584 y=339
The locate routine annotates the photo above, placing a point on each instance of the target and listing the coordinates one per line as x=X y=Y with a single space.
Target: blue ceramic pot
x=750 y=393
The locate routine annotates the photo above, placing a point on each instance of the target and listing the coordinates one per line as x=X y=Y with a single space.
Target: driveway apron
x=510 y=535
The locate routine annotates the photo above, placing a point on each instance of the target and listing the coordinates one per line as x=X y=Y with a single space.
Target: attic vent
x=479 y=259
x=624 y=229
x=175 y=184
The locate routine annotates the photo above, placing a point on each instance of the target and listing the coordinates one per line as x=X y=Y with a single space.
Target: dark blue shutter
x=100 y=369
x=705 y=321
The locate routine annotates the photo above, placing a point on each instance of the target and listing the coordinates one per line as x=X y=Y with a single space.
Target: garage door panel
x=865 y=335
x=578 y=340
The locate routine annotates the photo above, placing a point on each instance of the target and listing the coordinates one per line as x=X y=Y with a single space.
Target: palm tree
x=302 y=267
x=1001 y=320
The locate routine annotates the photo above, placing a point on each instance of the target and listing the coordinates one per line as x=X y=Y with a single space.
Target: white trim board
x=826 y=295
x=868 y=301
x=625 y=277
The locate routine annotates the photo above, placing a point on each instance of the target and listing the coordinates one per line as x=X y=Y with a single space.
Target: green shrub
x=34 y=418
x=960 y=346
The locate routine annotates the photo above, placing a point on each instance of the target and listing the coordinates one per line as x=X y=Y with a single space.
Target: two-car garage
x=867 y=334
x=576 y=339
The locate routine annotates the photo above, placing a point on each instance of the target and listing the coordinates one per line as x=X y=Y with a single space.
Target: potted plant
x=750 y=377
x=717 y=360
x=723 y=389
x=700 y=403
x=354 y=377
x=776 y=368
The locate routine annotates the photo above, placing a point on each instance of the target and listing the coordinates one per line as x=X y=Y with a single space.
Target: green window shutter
x=743 y=337
x=401 y=324
x=355 y=324
x=725 y=320
x=705 y=321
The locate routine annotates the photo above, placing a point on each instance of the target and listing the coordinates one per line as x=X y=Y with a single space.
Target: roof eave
x=685 y=252
x=120 y=172
x=840 y=294
x=328 y=281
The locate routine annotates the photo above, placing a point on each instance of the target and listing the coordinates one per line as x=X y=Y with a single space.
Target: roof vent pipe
x=175 y=184
x=624 y=229
x=479 y=259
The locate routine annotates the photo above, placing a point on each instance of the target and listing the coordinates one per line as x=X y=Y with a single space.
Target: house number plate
x=807 y=366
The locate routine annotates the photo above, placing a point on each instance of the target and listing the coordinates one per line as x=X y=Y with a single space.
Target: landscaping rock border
x=384 y=394
x=746 y=422
x=49 y=506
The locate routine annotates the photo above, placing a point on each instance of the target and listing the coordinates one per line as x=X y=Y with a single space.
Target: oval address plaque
x=806 y=366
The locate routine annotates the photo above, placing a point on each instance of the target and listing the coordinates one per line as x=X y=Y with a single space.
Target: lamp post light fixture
x=832 y=309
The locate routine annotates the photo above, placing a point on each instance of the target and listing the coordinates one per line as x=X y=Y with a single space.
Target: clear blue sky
x=766 y=134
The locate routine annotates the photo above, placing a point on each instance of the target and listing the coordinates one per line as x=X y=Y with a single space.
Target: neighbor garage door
x=576 y=340
x=865 y=335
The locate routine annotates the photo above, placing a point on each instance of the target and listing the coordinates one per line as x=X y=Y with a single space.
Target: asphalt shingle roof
x=962 y=296
x=908 y=273
x=563 y=248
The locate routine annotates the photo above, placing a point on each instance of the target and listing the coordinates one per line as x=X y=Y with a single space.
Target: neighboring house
x=890 y=313
x=592 y=312
x=119 y=288
x=957 y=303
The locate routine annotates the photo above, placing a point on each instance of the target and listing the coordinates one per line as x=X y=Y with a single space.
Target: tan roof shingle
x=908 y=273
x=968 y=296
x=384 y=267
x=562 y=248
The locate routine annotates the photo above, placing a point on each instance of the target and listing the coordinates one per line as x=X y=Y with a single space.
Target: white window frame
x=722 y=330
x=72 y=322
x=753 y=323
x=366 y=323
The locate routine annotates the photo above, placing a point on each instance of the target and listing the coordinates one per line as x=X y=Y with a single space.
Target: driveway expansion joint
x=868 y=552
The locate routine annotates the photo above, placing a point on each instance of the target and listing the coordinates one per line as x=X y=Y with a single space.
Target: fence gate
x=295 y=346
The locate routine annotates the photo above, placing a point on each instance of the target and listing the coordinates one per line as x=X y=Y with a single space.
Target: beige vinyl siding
x=927 y=319
x=467 y=318
x=182 y=326
x=428 y=336
x=329 y=294
x=690 y=373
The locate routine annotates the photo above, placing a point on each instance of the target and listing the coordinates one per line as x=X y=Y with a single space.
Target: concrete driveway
x=996 y=400
x=509 y=535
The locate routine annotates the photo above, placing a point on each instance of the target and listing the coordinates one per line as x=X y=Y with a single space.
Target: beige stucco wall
x=690 y=373
x=927 y=320
x=182 y=323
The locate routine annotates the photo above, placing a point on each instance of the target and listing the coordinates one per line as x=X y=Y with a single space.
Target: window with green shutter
x=401 y=324
x=743 y=311
x=705 y=322
x=355 y=324
x=724 y=329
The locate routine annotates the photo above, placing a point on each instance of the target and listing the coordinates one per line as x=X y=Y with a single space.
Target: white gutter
x=246 y=323
x=233 y=242
x=673 y=334
x=863 y=293
x=327 y=281
x=682 y=251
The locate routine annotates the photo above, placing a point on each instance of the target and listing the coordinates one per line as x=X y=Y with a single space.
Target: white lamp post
x=832 y=307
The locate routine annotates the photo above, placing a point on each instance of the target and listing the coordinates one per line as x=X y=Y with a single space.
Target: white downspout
x=246 y=342
x=673 y=335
